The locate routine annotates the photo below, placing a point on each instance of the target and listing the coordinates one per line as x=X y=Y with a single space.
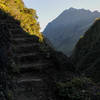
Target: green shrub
x=27 y=17
x=75 y=89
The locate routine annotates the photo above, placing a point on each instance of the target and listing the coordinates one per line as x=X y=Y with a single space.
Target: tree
x=27 y=17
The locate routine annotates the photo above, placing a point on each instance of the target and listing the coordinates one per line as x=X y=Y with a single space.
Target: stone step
x=9 y=22
x=9 y=25
x=31 y=89
x=13 y=27
x=25 y=48
x=28 y=80
x=21 y=35
x=25 y=45
x=22 y=40
x=35 y=53
x=39 y=54
x=28 y=58
x=33 y=67
x=37 y=65
x=26 y=55
x=18 y=33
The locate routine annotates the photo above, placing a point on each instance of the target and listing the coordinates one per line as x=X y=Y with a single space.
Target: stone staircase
x=33 y=67
x=27 y=59
x=31 y=87
x=31 y=62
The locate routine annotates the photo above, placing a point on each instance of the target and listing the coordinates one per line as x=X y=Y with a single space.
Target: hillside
x=29 y=68
x=27 y=17
x=32 y=70
x=68 y=27
x=86 y=55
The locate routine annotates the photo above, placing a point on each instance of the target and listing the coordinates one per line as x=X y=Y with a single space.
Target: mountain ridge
x=31 y=70
x=66 y=29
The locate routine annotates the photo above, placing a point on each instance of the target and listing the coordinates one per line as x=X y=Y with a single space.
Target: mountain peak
x=81 y=9
x=72 y=9
x=68 y=27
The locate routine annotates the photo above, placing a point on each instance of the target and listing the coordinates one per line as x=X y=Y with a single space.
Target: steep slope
x=33 y=67
x=31 y=70
x=68 y=27
x=27 y=17
x=87 y=54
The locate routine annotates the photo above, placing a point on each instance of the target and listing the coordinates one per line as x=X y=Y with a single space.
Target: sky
x=47 y=10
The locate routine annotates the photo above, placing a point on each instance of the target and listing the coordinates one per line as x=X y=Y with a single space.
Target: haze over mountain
x=68 y=27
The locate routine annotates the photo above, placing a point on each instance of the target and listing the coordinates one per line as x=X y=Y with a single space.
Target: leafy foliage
x=86 y=54
x=27 y=17
x=75 y=89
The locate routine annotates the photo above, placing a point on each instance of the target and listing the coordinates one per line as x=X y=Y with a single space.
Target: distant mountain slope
x=86 y=55
x=68 y=27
